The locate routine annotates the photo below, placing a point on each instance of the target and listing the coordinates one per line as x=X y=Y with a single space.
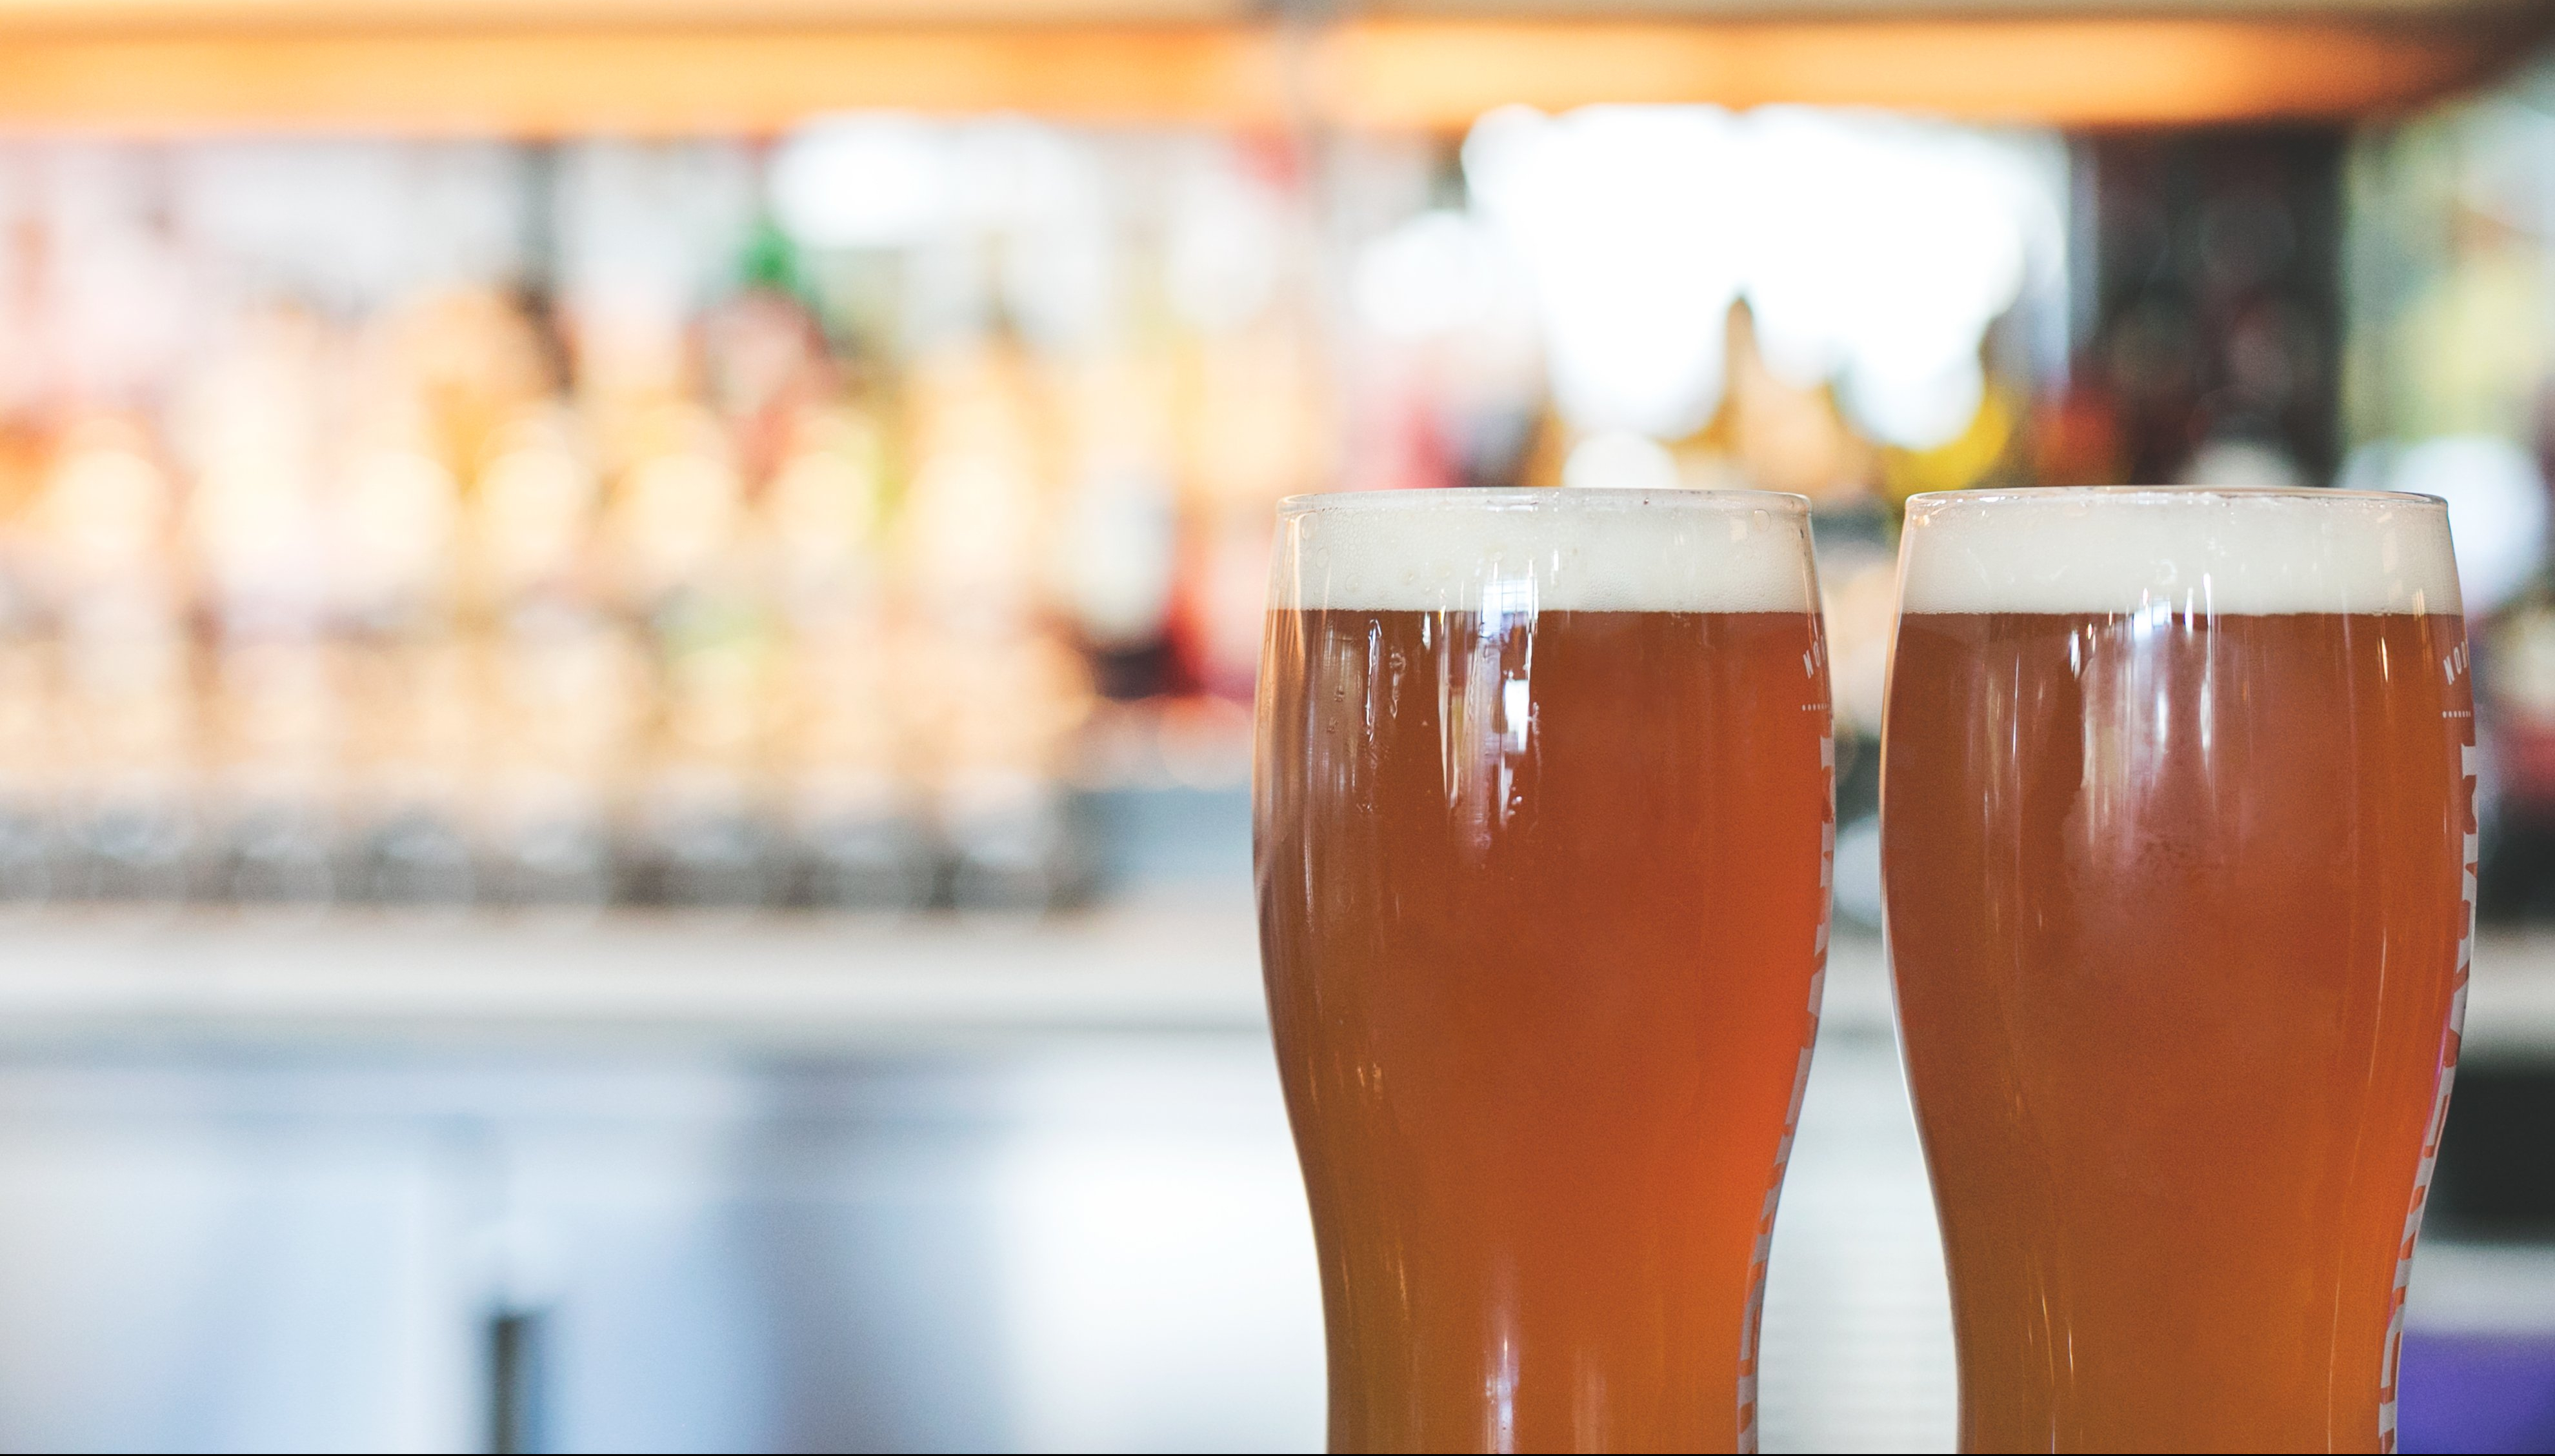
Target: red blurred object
x=2076 y=439
x=2524 y=750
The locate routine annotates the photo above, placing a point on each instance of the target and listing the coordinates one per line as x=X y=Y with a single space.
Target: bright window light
x=1874 y=252
x=862 y=181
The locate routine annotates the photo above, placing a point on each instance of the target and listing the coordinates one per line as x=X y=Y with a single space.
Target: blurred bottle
x=111 y=726
x=256 y=519
x=681 y=553
x=407 y=677
x=1255 y=432
x=563 y=678
x=990 y=693
x=445 y=381
x=1114 y=556
x=845 y=802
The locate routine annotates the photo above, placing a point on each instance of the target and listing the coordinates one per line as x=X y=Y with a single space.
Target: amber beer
x=1543 y=821
x=2179 y=842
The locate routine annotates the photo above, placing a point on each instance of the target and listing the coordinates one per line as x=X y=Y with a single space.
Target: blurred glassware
x=575 y=523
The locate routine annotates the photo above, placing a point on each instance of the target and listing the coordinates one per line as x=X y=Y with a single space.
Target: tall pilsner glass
x=1542 y=834
x=2178 y=833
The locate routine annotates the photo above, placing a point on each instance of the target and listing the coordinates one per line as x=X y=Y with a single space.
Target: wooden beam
x=172 y=17
x=637 y=82
x=163 y=17
x=2068 y=73
x=1381 y=73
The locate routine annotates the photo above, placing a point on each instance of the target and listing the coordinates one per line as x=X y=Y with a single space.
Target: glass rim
x=2166 y=492
x=1542 y=498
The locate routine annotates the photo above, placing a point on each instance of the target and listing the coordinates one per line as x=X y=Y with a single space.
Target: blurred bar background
x=627 y=628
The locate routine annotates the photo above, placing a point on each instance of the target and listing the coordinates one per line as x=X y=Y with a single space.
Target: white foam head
x=1555 y=550
x=2224 y=552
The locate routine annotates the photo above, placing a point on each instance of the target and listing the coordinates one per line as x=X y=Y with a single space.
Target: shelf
x=782 y=983
x=712 y=981
x=705 y=981
x=664 y=68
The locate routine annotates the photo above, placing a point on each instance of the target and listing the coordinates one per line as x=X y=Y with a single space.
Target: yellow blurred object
x=1785 y=437
x=1969 y=459
x=2478 y=332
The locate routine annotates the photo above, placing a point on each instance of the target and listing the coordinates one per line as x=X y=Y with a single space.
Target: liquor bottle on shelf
x=446 y=383
x=559 y=676
x=844 y=803
x=1115 y=551
x=681 y=550
x=104 y=719
x=406 y=677
x=273 y=791
x=990 y=693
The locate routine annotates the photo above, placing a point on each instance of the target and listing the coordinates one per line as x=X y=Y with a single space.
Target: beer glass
x=1542 y=831
x=2178 y=838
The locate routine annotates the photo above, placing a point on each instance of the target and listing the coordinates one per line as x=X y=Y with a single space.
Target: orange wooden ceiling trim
x=2068 y=73
x=1432 y=75
x=654 y=83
